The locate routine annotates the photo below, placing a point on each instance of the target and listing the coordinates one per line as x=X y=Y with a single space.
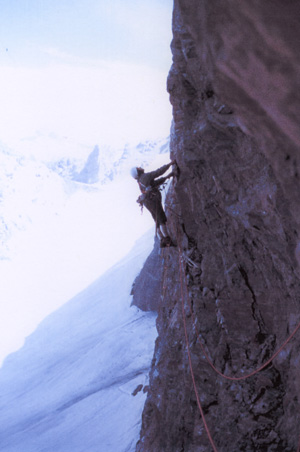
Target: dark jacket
x=148 y=179
x=149 y=184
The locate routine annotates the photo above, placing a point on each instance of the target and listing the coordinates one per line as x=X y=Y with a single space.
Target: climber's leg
x=164 y=230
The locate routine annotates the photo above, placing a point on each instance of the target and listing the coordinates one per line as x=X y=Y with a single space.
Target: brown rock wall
x=234 y=87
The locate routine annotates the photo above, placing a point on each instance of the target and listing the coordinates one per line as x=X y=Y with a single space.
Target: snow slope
x=58 y=231
x=69 y=389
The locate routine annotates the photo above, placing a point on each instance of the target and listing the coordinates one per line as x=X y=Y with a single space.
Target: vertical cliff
x=235 y=213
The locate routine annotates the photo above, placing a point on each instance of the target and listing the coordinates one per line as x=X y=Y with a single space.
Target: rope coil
x=241 y=377
x=183 y=281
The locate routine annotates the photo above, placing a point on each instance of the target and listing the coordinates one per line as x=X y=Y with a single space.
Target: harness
x=143 y=188
x=151 y=190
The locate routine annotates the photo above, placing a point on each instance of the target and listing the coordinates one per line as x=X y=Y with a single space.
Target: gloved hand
x=141 y=199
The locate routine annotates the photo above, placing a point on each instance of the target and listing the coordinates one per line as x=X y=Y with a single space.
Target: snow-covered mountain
x=29 y=186
x=79 y=383
x=105 y=163
x=63 y=222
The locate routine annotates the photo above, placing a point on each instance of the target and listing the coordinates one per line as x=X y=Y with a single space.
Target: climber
x=151 y=198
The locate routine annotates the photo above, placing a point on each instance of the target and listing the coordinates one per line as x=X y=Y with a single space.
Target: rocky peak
x=90 y=172
x=234 y=212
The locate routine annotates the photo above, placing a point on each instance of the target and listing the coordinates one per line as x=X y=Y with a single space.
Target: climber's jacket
x=149 y=185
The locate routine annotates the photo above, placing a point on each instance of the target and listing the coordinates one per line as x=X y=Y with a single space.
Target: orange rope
x=164 y=287
x=242 y=377
x=190 y=362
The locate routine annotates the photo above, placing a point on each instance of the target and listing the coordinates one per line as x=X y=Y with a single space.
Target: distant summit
x=90 y=172
x=105 y=163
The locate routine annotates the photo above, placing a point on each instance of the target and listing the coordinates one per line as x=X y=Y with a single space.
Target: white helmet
x=134 y=172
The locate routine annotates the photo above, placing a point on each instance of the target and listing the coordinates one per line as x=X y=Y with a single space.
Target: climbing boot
x=166 y=242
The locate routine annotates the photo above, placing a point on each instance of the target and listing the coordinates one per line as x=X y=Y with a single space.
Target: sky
x=123 y=30
x=89 y=70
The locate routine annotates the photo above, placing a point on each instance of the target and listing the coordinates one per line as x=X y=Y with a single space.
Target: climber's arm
x=159 y=171
x=161 y=180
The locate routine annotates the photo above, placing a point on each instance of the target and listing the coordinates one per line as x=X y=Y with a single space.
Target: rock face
x=235 y=212
x=147 y=287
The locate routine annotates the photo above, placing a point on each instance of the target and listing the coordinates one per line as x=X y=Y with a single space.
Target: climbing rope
x=190 y=361
x=227 y=377
x=167 y=206
x=164 y=285
x=242 y=377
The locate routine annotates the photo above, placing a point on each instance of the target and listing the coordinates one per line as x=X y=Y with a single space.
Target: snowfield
x=71 y=387
x=59 y=231
x=79 y=382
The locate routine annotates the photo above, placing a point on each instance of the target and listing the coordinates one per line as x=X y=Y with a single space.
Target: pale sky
x=137 y=31
x=87 y=70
